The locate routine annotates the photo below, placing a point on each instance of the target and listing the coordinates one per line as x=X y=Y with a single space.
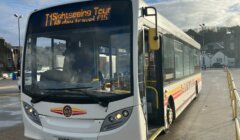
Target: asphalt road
x=207 y=118
x=11 y=127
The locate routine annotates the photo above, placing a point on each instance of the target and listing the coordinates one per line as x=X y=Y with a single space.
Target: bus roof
x=171 y=28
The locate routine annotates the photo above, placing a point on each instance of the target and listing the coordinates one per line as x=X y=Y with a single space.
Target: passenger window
x=186 y=60
x=178 y=59
x=168 y=54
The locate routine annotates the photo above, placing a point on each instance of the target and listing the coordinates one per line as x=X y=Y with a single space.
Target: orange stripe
x=58 y=112
x=175 y=96
x=79 y=113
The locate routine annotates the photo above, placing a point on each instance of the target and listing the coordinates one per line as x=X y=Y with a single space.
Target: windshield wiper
x=83 y=91
x=100 y=101
x=41 y=98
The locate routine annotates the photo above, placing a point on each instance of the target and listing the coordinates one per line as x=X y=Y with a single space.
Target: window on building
x=9 y=63
x=219 y=60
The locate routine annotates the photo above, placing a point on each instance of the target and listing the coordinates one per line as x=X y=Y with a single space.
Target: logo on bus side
x=68 y=111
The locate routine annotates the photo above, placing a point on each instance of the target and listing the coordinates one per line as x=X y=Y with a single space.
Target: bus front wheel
x=170 y=114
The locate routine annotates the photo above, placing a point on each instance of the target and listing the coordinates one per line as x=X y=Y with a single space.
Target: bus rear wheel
x=196 y=90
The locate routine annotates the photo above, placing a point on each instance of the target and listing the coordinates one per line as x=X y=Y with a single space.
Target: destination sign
x=83 y=15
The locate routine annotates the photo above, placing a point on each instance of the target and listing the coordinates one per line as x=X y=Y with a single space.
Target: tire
x=196 y=90
x=170 y=114
x=170 y=117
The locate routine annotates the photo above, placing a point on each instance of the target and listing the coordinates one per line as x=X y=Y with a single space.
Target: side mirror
x=153 y=40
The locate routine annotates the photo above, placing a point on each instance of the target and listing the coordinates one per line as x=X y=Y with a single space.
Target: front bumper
x=133 y=129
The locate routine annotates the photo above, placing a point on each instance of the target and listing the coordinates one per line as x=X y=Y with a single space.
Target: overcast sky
x=183 y=13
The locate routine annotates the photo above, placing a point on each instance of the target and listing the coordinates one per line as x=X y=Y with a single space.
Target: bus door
x=154 y=86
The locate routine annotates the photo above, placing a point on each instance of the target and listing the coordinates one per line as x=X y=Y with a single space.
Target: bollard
x=235 y=103
x=237 y=129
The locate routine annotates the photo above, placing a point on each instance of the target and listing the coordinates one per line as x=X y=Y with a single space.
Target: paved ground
x=10 y=113
x=208 y=117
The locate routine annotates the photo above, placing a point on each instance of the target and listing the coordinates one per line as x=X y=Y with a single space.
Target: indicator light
x=125 y=113
x=111 y=119
x=35 y=113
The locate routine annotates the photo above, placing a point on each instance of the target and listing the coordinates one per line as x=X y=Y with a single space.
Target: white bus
x=105 y=70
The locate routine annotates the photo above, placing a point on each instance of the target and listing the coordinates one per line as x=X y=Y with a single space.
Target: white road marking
x=4 y=124
x=8 y=105
x=8 y=87
x=9 y=95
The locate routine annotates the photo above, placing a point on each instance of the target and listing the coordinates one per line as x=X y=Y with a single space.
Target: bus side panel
x=133 y=129
x=183 y=92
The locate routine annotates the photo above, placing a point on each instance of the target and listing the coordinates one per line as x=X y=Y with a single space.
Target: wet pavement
x=209 y=117
x=10 y=110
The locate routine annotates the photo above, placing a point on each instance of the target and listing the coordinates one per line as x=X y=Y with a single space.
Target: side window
x=168 y=54
x=192 y=52
x=186 y=60
x=196 y=61
x=178 y=59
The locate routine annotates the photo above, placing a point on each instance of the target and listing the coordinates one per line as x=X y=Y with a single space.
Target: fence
x=235 y=101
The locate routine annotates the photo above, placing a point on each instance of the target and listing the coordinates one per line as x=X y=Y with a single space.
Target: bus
x=105 y=70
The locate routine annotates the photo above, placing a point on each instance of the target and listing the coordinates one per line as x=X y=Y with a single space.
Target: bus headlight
x=116 y=119
x=32 y=113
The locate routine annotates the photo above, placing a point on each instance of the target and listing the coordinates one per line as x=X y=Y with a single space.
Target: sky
x=185 y=14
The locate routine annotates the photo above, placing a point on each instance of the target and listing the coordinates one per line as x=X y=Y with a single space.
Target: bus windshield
x=84 y=45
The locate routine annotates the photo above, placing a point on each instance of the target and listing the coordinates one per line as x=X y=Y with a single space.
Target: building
x=6 y=59
x=16 y=56
x=217 y=59
x=215 y=54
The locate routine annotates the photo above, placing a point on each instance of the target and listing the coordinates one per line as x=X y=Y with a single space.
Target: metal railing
x=235 y=101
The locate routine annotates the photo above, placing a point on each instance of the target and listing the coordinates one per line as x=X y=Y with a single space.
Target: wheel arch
x=172 y=104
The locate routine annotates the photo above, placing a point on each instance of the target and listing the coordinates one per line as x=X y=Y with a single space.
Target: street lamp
x=202 y=27
x=18 y=17
x=202 y=48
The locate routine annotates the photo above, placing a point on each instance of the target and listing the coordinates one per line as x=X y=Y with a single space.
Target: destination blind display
x=83 y=15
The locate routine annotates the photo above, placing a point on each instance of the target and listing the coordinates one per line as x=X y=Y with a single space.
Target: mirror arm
x=144 y=9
